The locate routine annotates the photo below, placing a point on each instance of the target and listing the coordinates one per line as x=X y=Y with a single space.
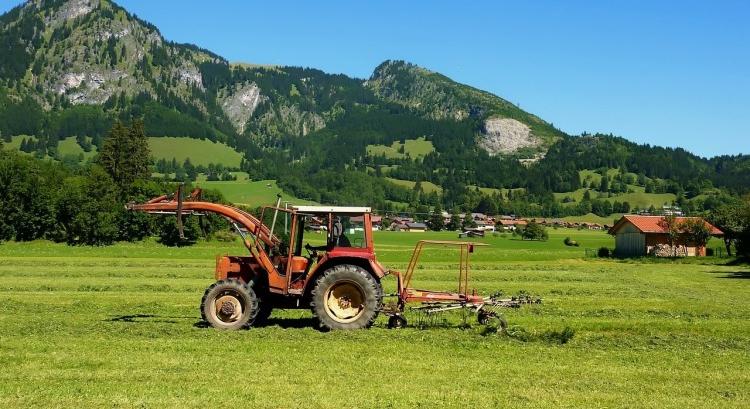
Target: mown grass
x=119 y=327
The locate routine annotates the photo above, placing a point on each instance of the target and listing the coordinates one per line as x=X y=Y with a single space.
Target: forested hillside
x=71 y=68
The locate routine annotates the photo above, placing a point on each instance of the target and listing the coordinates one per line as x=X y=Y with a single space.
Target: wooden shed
x=643 y=235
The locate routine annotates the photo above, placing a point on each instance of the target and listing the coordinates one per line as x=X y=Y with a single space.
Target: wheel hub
x=345 y=301
x=228 y=308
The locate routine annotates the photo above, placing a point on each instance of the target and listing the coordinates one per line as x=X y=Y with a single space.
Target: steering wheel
x=311 y=251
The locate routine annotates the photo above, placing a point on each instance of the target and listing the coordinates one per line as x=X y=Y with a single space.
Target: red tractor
x=338 y=281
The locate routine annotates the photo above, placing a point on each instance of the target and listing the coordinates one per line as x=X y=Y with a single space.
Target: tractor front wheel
x=229 y=304
x=346 y=297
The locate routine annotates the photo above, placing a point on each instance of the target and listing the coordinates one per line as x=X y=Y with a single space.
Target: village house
x=410 y=227
x=637 y=235
x=485 y=225
x=509 y=225
x=376 y=220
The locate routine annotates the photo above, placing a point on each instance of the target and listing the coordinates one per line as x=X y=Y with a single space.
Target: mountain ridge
x=73 y=67
x=94 y=52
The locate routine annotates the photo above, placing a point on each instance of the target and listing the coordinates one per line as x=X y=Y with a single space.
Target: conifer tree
x=125 y=154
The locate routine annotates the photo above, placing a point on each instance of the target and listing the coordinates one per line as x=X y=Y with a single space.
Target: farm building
x=376 y=221
x=648 y=235
x=411 y=227
x=512 y=224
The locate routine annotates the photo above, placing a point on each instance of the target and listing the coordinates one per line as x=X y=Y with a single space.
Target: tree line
x=43 y=199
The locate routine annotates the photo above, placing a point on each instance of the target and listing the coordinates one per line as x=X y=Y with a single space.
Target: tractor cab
x=314 y=236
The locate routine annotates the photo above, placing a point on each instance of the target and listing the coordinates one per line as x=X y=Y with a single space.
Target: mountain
x=67 y=54
x=70 y=68
x=505 y=128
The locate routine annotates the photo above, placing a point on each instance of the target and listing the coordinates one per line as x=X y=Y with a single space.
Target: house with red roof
x=637 y=235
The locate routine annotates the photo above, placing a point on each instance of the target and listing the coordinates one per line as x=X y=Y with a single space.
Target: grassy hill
x=66 y=147
x=200 y=152
x=492 y=190
x=69 y=146
x=251 y=193
x=641 y=199
x=427 y=187
x=636 y=194
x=592 y=218
x=414 y=148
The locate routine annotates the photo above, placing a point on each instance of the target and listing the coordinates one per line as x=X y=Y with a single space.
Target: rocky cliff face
x=88 y=51
x=239 y=103
x=505 y=136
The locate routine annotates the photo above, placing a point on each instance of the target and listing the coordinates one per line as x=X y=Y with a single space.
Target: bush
x=570 y=242
x=604 y=252
x=709 y=252
x=170 y=235
x=534 y=231
x=225 y=236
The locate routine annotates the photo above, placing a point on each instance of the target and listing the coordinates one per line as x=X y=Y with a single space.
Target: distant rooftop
x=332 y=209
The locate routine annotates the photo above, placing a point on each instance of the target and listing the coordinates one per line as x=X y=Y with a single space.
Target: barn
x=644 y=235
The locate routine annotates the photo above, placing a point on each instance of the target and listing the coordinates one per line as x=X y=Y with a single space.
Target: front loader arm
x=173 y=204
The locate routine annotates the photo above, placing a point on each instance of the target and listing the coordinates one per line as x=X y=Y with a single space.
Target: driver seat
x=299 y=264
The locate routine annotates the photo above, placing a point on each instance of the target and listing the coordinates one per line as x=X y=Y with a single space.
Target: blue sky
x=672 y=73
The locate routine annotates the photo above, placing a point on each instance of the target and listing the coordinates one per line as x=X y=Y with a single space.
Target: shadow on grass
x=735 y=274
x=290 y=323
x=283 y=323
x=140 y=318
x=739 y=261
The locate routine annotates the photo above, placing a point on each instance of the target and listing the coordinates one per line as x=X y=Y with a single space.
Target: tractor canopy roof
x=332 y=209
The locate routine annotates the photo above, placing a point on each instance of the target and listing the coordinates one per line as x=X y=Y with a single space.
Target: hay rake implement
x=486 y=308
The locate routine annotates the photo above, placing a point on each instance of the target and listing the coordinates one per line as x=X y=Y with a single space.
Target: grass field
x=637 y=198
x=119 y=327
x=414 y=148
x=592 y=218
x=251 y=193
x=69 y=146
x=427 y=187
x=15 y=142
x=200 y=152
x=492 y=190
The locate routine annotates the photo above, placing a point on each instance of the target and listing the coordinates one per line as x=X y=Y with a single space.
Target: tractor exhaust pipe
x=180 y=228
x=275 y=212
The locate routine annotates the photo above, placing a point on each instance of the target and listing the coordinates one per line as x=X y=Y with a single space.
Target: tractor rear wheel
x=229 y=304
x=346 y=297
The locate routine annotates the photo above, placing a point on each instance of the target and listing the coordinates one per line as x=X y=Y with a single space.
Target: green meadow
x=413 y=148
x=119 y=326
x=251 y=193
x=200 y=151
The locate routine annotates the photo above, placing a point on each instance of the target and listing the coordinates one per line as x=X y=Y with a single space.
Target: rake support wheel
x=485 y=317
x=396 y=321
